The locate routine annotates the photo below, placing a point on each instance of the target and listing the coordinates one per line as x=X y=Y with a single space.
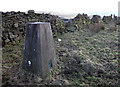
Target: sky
x=64 y=7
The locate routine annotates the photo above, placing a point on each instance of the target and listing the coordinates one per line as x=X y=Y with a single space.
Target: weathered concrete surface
x=39 y=52
x=0 y=49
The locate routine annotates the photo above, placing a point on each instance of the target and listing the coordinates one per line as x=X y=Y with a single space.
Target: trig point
x=39 y=52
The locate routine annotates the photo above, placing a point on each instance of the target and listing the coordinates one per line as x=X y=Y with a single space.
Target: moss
x=92 y=78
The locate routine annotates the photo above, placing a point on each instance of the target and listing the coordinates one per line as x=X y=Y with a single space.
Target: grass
x=99 y=50
x=12 y=57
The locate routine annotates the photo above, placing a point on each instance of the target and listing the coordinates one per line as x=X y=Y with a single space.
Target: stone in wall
x=14 y=24
x=107 y=19
x=96 y=19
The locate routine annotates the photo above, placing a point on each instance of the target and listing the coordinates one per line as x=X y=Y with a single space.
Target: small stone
x=58 y=82
x=56 y=72
x=59 y=40
x=66 y=82
x=16 y=25
x=7 y=40
x=31 y=11
x=39 y=79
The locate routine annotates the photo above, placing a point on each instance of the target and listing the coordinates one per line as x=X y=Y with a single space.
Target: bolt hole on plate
x=50 y=64
x=29 y=62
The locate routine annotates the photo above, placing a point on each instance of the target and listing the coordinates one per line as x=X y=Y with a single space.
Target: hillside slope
x=84 y=58
x=90 y=58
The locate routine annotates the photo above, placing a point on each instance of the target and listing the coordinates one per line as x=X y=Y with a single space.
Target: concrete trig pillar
x=1 y=49
x=39 y=52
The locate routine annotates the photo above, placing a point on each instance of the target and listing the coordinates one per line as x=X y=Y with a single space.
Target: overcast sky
x=62 y=6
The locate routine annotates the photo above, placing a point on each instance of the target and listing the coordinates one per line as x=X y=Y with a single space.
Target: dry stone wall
x=14 y=23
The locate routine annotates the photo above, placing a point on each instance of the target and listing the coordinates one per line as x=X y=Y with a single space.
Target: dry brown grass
x=96 y=27
x=113 y=28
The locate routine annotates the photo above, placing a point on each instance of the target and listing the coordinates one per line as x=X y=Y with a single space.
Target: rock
x=39 y=79
x=59 y=40
x=96 y=19
x=80 y=21
x=7 y=40
x=57 y=82
x=66 y=82
x=31 y=11
x=16 y=25
x=107 y=19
